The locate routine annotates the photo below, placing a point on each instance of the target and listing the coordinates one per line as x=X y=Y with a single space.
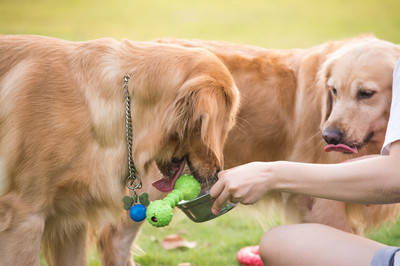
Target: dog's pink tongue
x=165 y=184
x=340 y=148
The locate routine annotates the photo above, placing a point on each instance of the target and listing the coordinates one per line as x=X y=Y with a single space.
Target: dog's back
x=282 y=111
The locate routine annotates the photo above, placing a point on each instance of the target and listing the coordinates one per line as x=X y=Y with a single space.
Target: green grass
x=389 y=234
x=273 y=24
x=218 y=240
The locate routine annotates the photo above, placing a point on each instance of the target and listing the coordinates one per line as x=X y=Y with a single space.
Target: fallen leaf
x=176 y=241
x=182 y=232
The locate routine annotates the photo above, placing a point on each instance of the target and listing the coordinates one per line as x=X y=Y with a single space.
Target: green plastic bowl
x=199 y=209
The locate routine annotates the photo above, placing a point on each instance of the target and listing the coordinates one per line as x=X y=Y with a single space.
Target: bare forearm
x=374 y=180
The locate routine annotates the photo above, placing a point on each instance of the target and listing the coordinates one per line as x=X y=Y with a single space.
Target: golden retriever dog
x=63 y=151
x=326 y=104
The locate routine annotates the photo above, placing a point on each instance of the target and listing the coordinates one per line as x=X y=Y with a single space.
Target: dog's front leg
x=331 y=213
x=305 y=209
x=115 y=243
x=21 y=230
x=65 y=248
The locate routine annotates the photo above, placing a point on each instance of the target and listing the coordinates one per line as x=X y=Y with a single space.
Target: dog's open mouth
x=349 y=148
x=341 y=148
x=174 y=169
x=171 y=172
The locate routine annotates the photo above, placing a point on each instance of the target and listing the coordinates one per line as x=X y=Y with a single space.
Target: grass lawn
x=217 y=240
x=273 y=24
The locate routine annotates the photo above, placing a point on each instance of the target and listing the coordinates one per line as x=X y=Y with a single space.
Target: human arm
x=372 y=180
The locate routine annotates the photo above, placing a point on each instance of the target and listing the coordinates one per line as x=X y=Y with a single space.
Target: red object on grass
x=249 y=256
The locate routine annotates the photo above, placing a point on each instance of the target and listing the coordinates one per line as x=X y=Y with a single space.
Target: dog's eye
x=334 y=91
x=365 y=94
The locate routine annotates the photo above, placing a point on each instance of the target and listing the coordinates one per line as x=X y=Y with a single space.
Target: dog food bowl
x=199 y=209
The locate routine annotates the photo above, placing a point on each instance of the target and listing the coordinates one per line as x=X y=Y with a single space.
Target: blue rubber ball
x=137 y=212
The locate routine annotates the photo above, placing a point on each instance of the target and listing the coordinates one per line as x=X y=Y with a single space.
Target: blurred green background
x=272 y=23
x=268 y=23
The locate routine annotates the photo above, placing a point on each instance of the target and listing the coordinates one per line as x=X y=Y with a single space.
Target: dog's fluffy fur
x=62 y=140
x=286 y=102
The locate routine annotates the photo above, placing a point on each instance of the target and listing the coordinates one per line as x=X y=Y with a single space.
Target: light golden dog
x=290 y=101
x=63 y=152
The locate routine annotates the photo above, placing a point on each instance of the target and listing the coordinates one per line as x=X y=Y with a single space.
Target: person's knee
x=272 y=244
x=274 y=247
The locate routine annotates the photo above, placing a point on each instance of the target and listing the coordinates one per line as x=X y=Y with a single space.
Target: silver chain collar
x=133 y=181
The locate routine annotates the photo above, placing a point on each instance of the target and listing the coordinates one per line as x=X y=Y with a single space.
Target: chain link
x=133 y=181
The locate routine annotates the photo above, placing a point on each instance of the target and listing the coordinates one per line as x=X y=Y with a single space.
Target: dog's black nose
x=332 y=136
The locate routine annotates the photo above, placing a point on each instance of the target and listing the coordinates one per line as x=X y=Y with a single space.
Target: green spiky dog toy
x=159 y=213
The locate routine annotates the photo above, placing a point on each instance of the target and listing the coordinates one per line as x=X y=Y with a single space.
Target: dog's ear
x=200 y=108
x=327 y=106
x=326 y=96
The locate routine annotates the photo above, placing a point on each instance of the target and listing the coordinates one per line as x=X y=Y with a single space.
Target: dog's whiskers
x=311 y=138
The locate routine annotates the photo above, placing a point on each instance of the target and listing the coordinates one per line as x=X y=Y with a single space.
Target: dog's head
x=357 y=79
x=186 y=126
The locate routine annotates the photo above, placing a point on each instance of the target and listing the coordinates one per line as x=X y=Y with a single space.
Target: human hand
x=242 y=184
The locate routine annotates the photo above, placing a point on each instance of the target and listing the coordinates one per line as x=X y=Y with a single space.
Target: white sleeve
x=393 y=128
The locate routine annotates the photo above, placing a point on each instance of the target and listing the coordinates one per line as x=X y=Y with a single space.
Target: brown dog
x=290 y=99
x=62 y=137
x=296 y=85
